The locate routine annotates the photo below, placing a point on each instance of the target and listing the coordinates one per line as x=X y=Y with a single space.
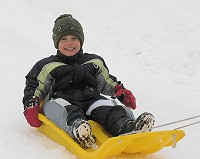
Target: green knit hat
x=66 y=25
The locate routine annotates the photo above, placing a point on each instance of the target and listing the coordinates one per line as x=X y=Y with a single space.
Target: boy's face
x=69 y=45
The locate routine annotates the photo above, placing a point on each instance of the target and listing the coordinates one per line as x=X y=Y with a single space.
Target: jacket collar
x=76 y=59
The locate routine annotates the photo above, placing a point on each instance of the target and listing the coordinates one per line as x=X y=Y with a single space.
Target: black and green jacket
x=79 y=79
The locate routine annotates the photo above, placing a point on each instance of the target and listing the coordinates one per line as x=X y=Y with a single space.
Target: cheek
x=79 y=46
x=60 y=45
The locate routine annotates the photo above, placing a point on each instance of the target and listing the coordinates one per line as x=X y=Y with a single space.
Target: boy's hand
x=125 y=96
x=31 y=112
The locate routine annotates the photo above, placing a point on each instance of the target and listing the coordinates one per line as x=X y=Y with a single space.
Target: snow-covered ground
x=153 y=46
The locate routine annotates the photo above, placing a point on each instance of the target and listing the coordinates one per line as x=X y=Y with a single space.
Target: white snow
x=153 y=46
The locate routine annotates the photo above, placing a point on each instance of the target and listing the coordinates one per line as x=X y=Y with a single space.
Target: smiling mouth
x=69 y=49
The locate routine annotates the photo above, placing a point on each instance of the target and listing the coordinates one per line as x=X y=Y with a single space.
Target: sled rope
x=178 y=121
x=187 y=125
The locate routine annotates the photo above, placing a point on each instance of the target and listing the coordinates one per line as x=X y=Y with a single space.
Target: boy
x=71 y=83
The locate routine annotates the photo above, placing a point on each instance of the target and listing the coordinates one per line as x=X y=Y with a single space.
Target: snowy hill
x=152 y=46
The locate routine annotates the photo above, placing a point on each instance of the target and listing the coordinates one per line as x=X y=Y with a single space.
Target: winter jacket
x=79 y=79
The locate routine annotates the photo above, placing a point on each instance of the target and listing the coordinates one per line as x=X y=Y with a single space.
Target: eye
x=63 y=39
x=75 y=38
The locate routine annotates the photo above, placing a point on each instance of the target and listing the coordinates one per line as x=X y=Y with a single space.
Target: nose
x=69 y=42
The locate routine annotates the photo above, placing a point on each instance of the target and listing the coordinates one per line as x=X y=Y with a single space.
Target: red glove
x=31 y=112
x=125 y=96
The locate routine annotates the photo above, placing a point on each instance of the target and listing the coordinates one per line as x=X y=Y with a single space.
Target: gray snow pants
x=108 y=113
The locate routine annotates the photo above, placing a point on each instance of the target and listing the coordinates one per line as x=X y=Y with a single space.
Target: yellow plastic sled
x=144 y=143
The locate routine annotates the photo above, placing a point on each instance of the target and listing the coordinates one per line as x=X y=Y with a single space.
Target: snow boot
x=82 y=132
x=143 y=123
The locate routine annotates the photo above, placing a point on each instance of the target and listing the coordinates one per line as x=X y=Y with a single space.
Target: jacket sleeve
x=31 y=82
x=38 y=80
